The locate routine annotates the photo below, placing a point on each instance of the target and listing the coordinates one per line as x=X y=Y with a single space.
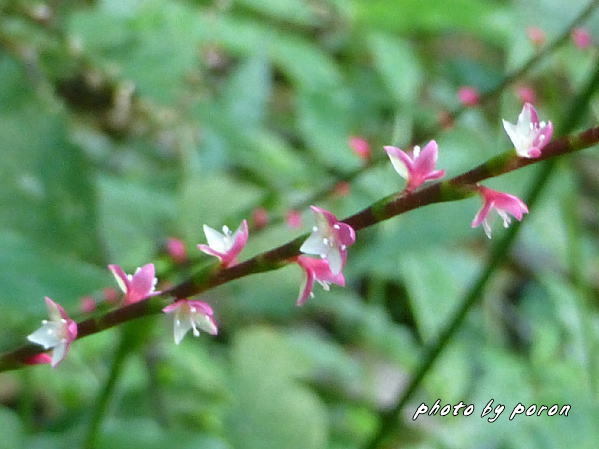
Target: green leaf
x=293 y=11
x=283 y=413
x=398 y=65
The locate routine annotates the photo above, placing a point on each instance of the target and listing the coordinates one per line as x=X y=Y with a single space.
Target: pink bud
x=111 y=296
x=260 y=217
x=468 y=96
x=87 y=304
x=581 y=38
x=294 y=219
x=342 y=188
x=536 y=35
x=361 y=147
x=526 y=94
x=176 y=250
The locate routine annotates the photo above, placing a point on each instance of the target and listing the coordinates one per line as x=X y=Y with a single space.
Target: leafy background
x=124 y=122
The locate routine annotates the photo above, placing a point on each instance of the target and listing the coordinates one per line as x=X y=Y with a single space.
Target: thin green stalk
x=574 y=228
x=102 y=401
x=390 y=419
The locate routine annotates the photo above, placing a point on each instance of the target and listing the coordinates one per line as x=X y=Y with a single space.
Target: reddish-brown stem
x=459 y=187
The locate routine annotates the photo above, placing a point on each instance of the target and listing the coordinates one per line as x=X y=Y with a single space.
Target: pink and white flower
x=503 y=203
x=225 y=246
x=57 y=333
x=194 y=315
x=316 y=270
x=329 y=239
x=417 y=168
x=528 y=135
x=138 y=286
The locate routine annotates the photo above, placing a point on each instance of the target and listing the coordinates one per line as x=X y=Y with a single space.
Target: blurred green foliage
x=124 y=122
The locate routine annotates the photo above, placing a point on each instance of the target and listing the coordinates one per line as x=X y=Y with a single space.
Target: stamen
x=343 y=247
x=63 y=321
x=336 y=226
x=325 y=241
x=315 y=228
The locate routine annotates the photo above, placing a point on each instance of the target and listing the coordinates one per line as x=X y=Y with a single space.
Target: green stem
x=390 y=419
x=101 y=404
x=571 y=216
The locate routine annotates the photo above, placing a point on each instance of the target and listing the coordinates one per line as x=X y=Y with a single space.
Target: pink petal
x=323 y=215
x=345 y=235
x=174 y=306
x=532 y=112
x=482 y=214
x=202 y=306
x=39 y=359
x=142 y=284
x=307 y=285
x=121 y=277
x=206 y=249
x=427 y=159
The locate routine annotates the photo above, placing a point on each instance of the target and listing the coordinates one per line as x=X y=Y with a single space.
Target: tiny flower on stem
x=316 y=270
x=329 y=239
x=526 y=94
x=503 y=203
x=536 y=35
x=225 y=246
x=581 y=38
x=57 y=333
x=193 y=315
x=138 y=286
x=468 y=96
x=260 y=217
x=293 y=219
x=38 y=359
x=361 y=147
x=528 y=135
x=176 y=250
x=417 y=168
x=87 y=304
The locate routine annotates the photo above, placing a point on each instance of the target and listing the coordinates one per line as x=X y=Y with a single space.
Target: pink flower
x=468 y=96
x=138 y=286
x=526 y=94
x=528 y=135
x=329 y=239
x=361 y=147
x=316 y=270
x=260 y=217
x=87 y=304
x=536 y=35
x=418 y=168
x=294 y=219
x=503 y=203
x=191 y=315
x=342 y=188
x=225 y=246
x=110 y=295
x=56 y=333
x=176 y=250
x=581 y=38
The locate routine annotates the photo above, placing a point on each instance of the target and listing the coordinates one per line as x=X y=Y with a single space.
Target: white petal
x=205 y=323
x=181 y=326
x=58 y=353
x=399 y=167
x=215 y=239
x=487 y=228
x=520 y=141
x=47 y=335
x=335 y=261
x=314 y=245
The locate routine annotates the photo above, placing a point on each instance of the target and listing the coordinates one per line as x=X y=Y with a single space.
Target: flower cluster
x=329 y=241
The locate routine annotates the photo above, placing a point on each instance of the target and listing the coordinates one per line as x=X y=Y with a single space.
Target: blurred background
x=127 y=122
